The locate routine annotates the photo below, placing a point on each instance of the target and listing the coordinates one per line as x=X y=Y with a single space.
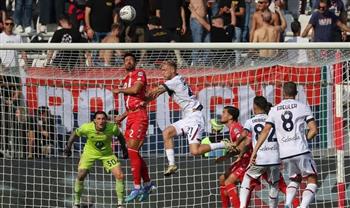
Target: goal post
x=68 y=82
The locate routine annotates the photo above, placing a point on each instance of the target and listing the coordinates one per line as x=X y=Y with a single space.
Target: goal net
x=48 y=90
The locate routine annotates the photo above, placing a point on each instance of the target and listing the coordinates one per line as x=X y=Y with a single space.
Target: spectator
x=111 y=57
x=198 y=9
x=136 y=30
x=172 y=16
x=46 y=127
x=76 y=10
x=9 y=58
x=67 y=34
x=325 y=24
x=20 y=131
x=245 y=32
x=48 y=9
x=297 y=55
x=337 y=7
x=32 y=135
x=10 y=100
x=239 y=7
x=23 y=16
x=257 y=19
x=269 y=33
x=98 y=18
x=218 y=32
x=156 y=33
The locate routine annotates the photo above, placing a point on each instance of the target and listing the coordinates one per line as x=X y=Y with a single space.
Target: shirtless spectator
x=269 y=33
x=257 y=20
x=197 y=30
x=110 y=56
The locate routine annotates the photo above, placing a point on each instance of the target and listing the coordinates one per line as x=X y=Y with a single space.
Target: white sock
x=273 y=196
x=308 y=195
x=245 y=191
x=219 y=145
x=292 y=189
x=171 y=156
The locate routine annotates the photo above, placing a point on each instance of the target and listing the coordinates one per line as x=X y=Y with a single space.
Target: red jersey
x=132 y=102
x=235 y=132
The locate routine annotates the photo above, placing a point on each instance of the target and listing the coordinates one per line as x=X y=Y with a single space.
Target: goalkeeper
x=99 y=134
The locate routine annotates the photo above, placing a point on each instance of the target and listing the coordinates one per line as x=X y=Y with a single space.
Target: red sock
x=283 y=188
x=135 y=163
x=224 y=198
x=231 y=190
x=144 y=171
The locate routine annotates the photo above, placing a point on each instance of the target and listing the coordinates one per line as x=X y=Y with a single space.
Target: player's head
x=169 y=69
x=129 y=61
x=100 y=120
x=229 y=113
x=261 y=105
x=289 y=90
x=323 y=6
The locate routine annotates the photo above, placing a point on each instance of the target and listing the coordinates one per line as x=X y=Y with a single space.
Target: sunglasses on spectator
x=9 y=23
x=262 y=2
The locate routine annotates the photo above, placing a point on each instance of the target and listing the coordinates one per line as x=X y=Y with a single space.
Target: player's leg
x=85 y=163
x=249 y=182
x=231 y=189
x=273 y=177
x=308 y=166
x=168 y=134
x=282 y=186
x=111 y=163
x=295 y=179
x=223 y=194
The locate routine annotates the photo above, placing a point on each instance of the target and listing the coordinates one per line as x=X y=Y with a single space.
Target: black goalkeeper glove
x=67 y=151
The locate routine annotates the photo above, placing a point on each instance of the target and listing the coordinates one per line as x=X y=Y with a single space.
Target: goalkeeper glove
x=67 y=151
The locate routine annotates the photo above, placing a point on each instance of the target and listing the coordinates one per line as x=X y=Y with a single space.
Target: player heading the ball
x=99 y=134
x=191 y=124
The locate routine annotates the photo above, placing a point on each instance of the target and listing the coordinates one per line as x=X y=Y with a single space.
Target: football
x=127 y=13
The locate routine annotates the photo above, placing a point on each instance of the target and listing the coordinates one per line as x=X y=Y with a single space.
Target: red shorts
x=239 y=168
x=136 y=125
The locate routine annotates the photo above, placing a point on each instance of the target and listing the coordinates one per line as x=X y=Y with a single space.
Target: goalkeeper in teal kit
x=99 y=134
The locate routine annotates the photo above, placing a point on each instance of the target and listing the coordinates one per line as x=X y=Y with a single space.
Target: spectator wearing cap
x=98 y=18
x=325 y=24
x=67 y=34
x=239 y=8
x=172 y=16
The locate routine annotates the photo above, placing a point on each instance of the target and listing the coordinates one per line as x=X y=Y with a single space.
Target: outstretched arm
x=154 y=93
x=133 y=90
x=67 y=150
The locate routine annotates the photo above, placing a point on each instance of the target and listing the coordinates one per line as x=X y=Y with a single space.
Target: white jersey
x=289 y=118
x=182 y=94
x=268 y=153
x=9 y=58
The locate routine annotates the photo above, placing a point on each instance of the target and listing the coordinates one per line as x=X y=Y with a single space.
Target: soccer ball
x=127 y=13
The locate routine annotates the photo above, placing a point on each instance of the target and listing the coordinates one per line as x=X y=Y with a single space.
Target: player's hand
x=252 y=159
x=67 y=151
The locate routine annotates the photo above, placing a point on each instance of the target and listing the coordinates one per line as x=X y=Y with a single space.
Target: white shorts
x=272 y=172
x=191 y=126
x=302 y=165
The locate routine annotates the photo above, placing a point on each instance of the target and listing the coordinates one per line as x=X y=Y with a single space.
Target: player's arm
x=262 y=137
x=154 y=93
x=120 y=118
x=122 y=142
x=313 y=130
x=67 y=150
x=243 y=143
x=134 y=90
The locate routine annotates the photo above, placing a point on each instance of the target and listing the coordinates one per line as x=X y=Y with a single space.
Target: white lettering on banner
x=163 y=112
x=204 y=97
x=86 y=96
x=246 y=99
x=63 y=109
